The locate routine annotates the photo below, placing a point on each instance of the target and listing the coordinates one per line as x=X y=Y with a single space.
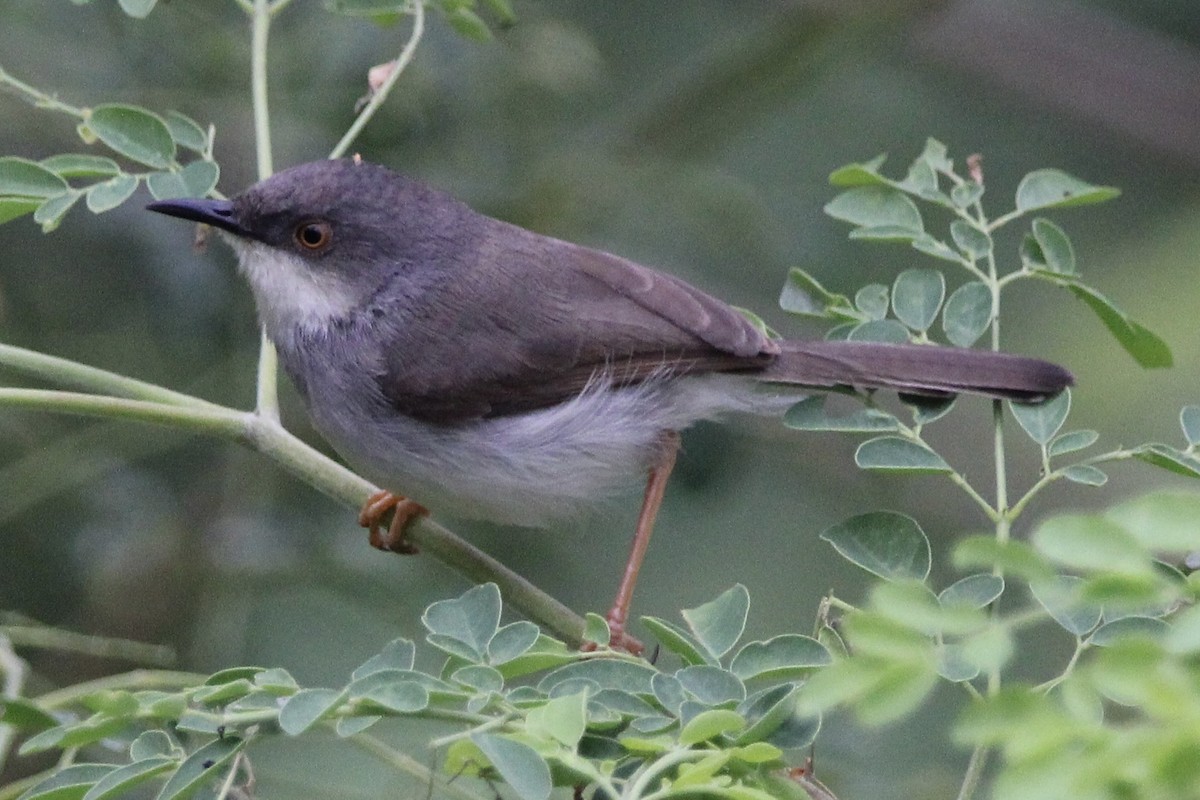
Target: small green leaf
x=899 y=691
x=471 y=619
x=1057 y=253
x=50 y=213
x=607 y=673
x=1146 y=348
x=953 y=665
x=200 y=767
x=718 y=624
x=1013 y=557
x=809 y=415
x=1184 y=636
x=785 y=657
x=864 y=174
x=402 y=697
x=1129 y=627
x=469 y=24
x=135 y=133
x=111 y=193
x=25 y=715
x=973 y=591
x=1062 y=598
x=803 y=294
x=81 y=165
x=710 y=724
x=511 y=641
x=678 y=641
x=1168 y=458
x=917 y=295
x=15 y=207
x=596 y=630
x=970 y=240
x=123 y=779
x=872 y=206
x=894 y=454
x=1041 y=421
x=138 y=9
x=519 y=764
x=884 y=543
x=879 y=330
x=931 y=246
x=151 y=744
x=186 y=131
x=20 y=177
x=479 y=677
x=1085 y=474
x=936 y=155
x=966 y=194
x=1164 y=521
x=1053 y=188
x=398 y=654
x=220 y=694
x=1072 y=442
x=967 y=313
x=872 y=300
x=562 y=719
x=711 y=686
x=884 y=233
x=1091 y=543
x=307 y=707
x=1189 y=420
x=69 y=783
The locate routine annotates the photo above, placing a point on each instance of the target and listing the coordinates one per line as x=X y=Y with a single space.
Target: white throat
x=291 y=296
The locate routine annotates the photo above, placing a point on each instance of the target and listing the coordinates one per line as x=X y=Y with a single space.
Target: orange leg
x=656 y=486
x=404 y=511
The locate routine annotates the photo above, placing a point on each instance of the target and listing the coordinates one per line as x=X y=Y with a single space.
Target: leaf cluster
x=532 y=713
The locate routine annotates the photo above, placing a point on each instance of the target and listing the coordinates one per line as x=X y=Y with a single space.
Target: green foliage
x=531 y=713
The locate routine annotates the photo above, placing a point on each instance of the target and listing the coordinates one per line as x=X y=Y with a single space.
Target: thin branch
x=73 y=375
x=46 y=637
x=40 y=98
x=380 y=95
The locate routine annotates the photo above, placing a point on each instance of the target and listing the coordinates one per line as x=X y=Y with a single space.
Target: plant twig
x=380 y=94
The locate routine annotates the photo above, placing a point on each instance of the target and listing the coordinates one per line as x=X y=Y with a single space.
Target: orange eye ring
x=314 y=235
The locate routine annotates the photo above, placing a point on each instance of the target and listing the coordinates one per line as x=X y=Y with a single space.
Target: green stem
x=380 y=95
x=217 y=421
x=61 y=641
x=134 y=681
x=975 y=767
x=267 y=383
x=40 y=98
x=73 y=375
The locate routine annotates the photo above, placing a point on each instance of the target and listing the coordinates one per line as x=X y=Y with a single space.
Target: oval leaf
x=1091 y=543
x=1053 y=188
x=970 y=240
x=135 y=133
x=81 y=165
x=1057 y=254
x=917 y=296
x=784 y=657
x=710 y=724
x=200 y=767
x=1085 y=474
x=967 y=314
x=69 y=782
x=718 y=624
x=809 y=415
x=1072 y=442
x=519 y=764
x=471 y=619
x=894 y=454
x=20 y=177
x=873 y=206
x=884 y=543
x=1062 y=598
x=122 y=779
x=1041 y=421
x=111 y=193
x=973 y=591
x=307 y=707
x=186 y=131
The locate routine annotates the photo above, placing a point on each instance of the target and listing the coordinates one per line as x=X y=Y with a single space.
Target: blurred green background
x=692 y=136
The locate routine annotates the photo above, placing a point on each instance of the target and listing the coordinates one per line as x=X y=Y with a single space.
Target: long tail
x=916 y=369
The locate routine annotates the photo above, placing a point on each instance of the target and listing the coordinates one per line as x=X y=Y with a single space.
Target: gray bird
x=482 y=368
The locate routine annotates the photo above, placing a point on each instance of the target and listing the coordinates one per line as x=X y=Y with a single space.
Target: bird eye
x=314 y=235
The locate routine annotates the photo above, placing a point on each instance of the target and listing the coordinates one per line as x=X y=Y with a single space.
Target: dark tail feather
x=916 y=369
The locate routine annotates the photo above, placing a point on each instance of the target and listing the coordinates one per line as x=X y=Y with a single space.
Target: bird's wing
x=524 y=322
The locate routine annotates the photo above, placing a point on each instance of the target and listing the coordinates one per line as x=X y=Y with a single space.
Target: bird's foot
x=404 y=511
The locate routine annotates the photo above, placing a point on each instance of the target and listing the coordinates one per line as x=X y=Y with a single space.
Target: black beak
x=218 y=213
